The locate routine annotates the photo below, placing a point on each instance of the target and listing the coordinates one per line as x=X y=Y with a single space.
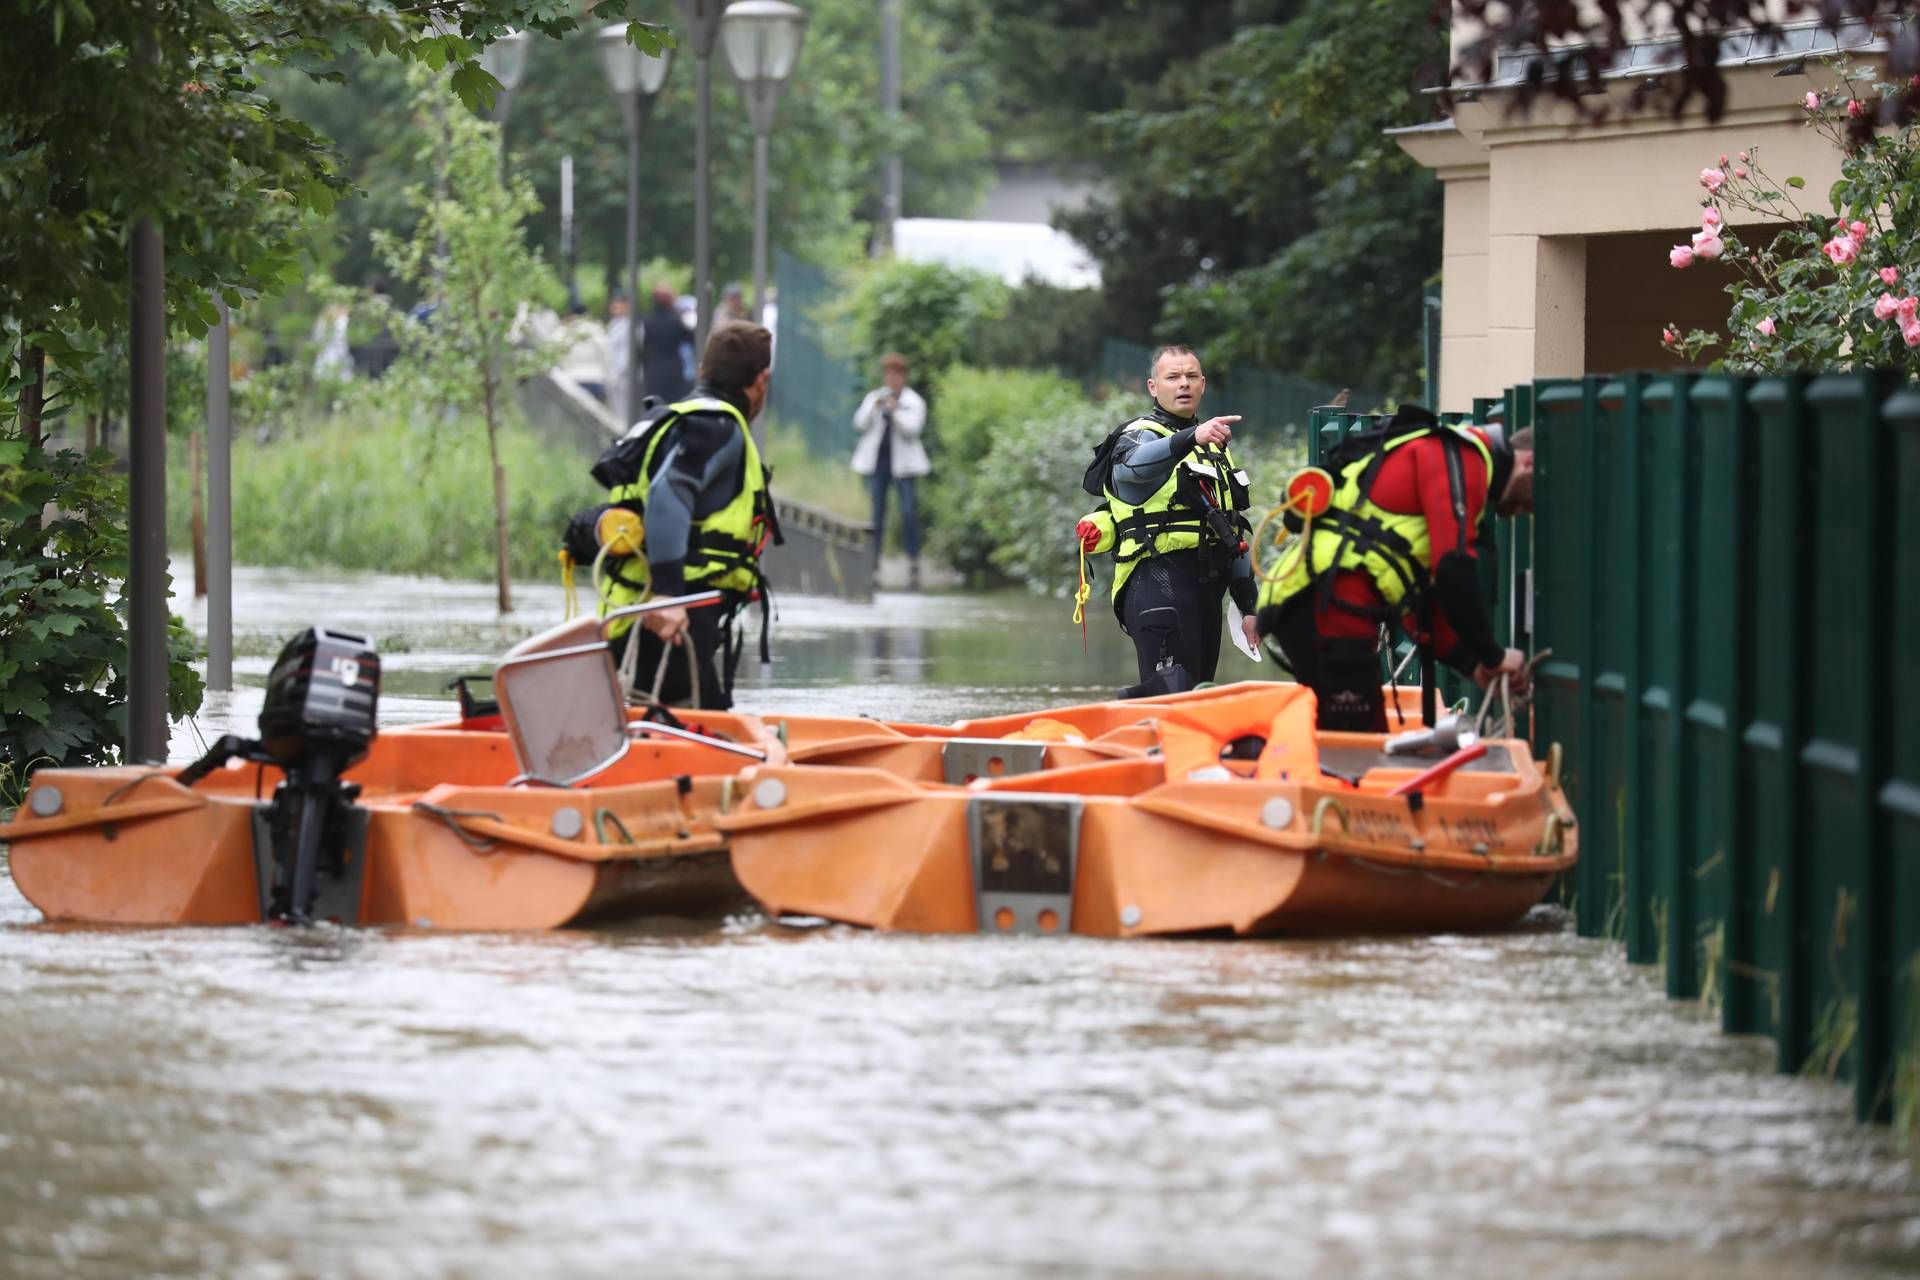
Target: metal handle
x=643 y=727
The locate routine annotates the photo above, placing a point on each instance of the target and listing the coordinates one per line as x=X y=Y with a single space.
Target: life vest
x=1174 y=517
x=723 y=549
x=1392 y=547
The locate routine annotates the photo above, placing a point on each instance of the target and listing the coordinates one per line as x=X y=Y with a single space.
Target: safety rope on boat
x=120 y=791
x=603 y=816
x=479 y=844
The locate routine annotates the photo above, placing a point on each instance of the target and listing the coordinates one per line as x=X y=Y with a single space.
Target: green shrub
x=977 y=407
x=931 y=313
x=1045 y=326
x=63 y=634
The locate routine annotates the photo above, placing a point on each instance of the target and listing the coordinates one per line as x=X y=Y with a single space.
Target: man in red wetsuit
x=1398 y=546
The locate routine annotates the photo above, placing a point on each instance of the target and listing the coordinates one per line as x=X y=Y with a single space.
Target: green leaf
x=1796 y=183
x=476 y=86
x=26 y=698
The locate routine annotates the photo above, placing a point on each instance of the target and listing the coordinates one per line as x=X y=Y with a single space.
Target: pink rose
x=1669 y=336
x=1885 y=306
x=1680 y=256
x=1857 y=232
x=1723 y=159
x=1708 y=245
x=1711 y=179
x=1766 y=326
x=1709 y=217
x=1889 y=275
x=1841 y=249
x=1911 y=332
x=1738 y=172
x=1743 y=157
x=1856 y=108
x=1907 y=309
x=1813 y=101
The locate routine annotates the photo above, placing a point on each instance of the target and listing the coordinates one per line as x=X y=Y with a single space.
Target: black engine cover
x=322 y=697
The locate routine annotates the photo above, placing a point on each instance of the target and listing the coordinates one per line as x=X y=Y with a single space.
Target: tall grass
x=366 y=491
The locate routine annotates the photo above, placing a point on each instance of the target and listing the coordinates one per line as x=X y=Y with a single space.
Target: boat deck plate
x=1024 y=849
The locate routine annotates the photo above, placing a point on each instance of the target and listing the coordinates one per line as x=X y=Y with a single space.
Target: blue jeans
x=909 y=515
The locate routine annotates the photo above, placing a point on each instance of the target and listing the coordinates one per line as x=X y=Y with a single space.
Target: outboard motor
x=309 y=844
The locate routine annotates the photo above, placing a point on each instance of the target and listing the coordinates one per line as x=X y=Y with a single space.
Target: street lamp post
x=635 y=77
x=506 y=60
x=701 y=18
x=763 y=39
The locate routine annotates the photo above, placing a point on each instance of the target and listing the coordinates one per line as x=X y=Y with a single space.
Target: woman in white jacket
x=890 y=421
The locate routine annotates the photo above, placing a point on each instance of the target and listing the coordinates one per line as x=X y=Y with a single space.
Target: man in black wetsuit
x=709 y=515
x=1175 y=494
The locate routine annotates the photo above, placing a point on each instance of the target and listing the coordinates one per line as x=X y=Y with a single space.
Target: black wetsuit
x=1192 y=583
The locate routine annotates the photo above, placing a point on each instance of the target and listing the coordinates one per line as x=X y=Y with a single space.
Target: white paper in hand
x=1236 y=627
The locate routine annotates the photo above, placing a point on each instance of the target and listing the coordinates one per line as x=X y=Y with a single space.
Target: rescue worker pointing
x=1175 y=495
x=1398 y=545
x=696 y=473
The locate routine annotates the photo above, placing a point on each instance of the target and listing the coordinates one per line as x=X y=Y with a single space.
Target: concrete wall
x=1554 y=254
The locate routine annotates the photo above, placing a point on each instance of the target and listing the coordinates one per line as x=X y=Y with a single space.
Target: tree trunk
x=499 y=495
x=33 y=391
x=195 y=462
x=92 y=441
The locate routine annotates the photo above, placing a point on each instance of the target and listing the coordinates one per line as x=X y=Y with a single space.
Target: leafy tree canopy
x=1253 y=206
x=825 y=153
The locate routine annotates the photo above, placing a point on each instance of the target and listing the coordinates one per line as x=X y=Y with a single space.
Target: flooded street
x=757 y=1099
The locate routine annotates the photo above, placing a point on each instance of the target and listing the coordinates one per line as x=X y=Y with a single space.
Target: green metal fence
x=814 y=389
x=1723 y=565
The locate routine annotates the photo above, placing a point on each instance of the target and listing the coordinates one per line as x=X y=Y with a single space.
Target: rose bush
x=1812 y=290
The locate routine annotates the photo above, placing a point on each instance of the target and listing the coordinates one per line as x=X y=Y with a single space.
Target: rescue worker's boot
x=1168 y=676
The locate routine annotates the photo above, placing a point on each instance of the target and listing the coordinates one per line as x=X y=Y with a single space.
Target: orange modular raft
x=448 y=843
x=1309 y=836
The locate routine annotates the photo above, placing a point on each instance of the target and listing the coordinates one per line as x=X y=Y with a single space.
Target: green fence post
x=1517 y=415
x=1900 y=797
x=1783 y=958
x=1667 y=464
x=1563 y=484
x=1617 y=561
x=1842 y=760
x=1718 y=848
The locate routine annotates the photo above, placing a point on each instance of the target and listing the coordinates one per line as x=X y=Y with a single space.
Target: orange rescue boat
x=1317 y=832
x=565 y=813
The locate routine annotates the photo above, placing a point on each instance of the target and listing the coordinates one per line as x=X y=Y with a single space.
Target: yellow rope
x=1299 y=543
x=1081 y=596
x=566 y=585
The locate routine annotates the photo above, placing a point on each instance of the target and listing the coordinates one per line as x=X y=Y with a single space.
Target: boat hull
x=1152 y=857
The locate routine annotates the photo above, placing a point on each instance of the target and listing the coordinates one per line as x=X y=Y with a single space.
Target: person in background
x=770 y=320
x=666 y=348
x=890 y=420
x=619 y=357
x=583 y=351
x=733 y=306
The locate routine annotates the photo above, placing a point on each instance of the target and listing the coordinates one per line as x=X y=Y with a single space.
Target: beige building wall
x=1554 y=253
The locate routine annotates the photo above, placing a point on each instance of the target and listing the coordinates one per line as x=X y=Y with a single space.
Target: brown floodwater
x=748 y=1097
